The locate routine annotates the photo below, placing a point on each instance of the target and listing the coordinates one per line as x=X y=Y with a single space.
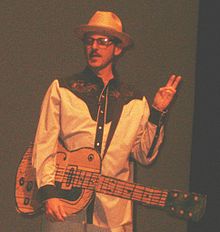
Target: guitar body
x=74 y=199
x=25 y=187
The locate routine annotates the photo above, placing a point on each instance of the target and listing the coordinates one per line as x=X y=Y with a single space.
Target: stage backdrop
x=37 y=44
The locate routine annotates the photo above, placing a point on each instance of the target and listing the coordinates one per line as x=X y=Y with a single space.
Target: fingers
x=167 y=90
x=56 y=214
x=62 y=212
x=174 y=81
x=55 y=211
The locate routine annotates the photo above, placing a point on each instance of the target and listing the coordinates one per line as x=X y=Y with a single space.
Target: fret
x=138 y=193
x=132 y=193
x=105 y=188
x=155 y=197
x=84 y=182
x=117 y=191
x=113 y=185
x=88 y=181
x=152 y=198
x=94 y=179
x=128 y=190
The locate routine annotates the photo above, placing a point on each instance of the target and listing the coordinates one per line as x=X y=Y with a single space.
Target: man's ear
x=117 y=50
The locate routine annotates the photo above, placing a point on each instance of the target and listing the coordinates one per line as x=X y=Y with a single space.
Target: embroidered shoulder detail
x=129 y=92
x=83 y=87
x=77 y=85
x=115 y=94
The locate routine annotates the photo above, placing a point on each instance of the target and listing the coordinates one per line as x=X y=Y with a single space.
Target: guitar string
x=127 y=184
x=109 y=187
x=77 y=174
x=87 y=183
x=149 y=199
x=155 y=197
x=123 y=185
x=84 y=183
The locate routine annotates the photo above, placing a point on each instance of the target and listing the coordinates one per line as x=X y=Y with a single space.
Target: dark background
x=205 y=164
x=38 y=45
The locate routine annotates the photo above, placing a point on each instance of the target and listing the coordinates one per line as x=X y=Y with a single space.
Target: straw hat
x=106 y=23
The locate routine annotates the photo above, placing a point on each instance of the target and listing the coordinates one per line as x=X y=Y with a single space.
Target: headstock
x=188 y=206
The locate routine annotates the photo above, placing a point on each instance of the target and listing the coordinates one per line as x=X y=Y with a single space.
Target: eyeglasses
x=101 y=42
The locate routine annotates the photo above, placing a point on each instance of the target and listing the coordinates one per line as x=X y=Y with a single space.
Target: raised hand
x=165 y=94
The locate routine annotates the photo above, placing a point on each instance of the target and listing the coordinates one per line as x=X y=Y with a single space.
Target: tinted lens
x=102 y=42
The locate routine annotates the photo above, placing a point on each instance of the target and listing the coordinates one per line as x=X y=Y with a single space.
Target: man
x=95 y=109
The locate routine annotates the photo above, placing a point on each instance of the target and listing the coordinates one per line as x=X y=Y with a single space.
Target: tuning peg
x=181 y=212
x=175 y=194
x=190 y=214
x=195 y=198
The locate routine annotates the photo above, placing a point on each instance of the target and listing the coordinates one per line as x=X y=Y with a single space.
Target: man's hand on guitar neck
x=54 y=210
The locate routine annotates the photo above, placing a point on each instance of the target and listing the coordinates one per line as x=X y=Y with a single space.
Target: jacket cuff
x=47 y=191
x=157 y=117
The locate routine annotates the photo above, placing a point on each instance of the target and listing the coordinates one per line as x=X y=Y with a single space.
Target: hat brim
x=126 y=40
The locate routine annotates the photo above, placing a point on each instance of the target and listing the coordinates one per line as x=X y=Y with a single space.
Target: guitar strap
x=116 y=116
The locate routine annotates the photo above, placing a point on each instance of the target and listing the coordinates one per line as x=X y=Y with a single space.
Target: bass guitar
x=78 y=177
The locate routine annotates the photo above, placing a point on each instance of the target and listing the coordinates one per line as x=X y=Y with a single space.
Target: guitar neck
x=131 y=191
x=115 y=187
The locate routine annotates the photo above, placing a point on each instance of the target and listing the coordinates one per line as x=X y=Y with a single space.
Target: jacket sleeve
x=46 y=141
x=149 y=136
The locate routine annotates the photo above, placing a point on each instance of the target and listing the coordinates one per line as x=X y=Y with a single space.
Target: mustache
x=94 y=54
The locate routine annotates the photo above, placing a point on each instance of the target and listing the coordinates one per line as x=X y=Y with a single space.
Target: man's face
x=100 y=50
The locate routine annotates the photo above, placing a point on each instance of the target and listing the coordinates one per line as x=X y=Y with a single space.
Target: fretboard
x=107 y=185
x=131 y=191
